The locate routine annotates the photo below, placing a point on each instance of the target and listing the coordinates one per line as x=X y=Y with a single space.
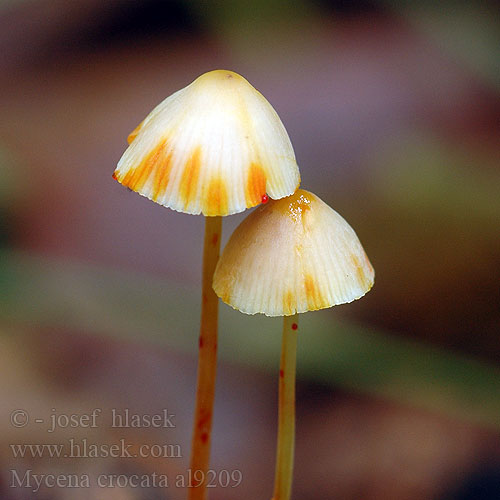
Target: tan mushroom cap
x=214 y=147
x=291 y=256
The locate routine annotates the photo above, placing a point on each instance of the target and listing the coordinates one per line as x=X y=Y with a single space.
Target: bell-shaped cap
x=291 y=256
x=214 y=147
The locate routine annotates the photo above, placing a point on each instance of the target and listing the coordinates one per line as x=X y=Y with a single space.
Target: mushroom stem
x=286 y=412
x=205 y=390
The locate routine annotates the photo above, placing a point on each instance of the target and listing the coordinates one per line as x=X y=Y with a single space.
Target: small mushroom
x=287 y=257
x=215 y=147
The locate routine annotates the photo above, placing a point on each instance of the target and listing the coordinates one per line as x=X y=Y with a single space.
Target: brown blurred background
x=393 y=110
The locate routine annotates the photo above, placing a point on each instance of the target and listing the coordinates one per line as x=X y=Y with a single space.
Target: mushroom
x=288 y=257
x=215 y=147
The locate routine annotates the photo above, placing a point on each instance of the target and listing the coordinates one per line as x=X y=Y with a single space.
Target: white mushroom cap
x=215 y=147
x=291 y=256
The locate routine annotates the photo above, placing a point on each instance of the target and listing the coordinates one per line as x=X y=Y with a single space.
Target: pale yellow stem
x=207 y=360
x=286 y=413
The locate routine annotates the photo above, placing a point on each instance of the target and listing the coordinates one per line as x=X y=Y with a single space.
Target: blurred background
x=393 y=110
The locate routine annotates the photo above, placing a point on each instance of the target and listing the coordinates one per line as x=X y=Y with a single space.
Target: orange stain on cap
x=360 y=273
x=189 y=180
x=288 y=303
x=226 y=296
x=134 y=132
x=255 y=188
x=295 y=206
x=314 y=298
x=135 y=178
x=368 y=264
x=162 y=176
x=216 y=199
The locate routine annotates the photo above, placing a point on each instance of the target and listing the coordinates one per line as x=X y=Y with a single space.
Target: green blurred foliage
x=468 y=31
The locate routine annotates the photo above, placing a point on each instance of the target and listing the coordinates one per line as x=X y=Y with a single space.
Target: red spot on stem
x=265 y=198
x=204 y=419
x=282 y=373
x=201 y=342
x=215 y=239
x=204 y=437
x=294 y=326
